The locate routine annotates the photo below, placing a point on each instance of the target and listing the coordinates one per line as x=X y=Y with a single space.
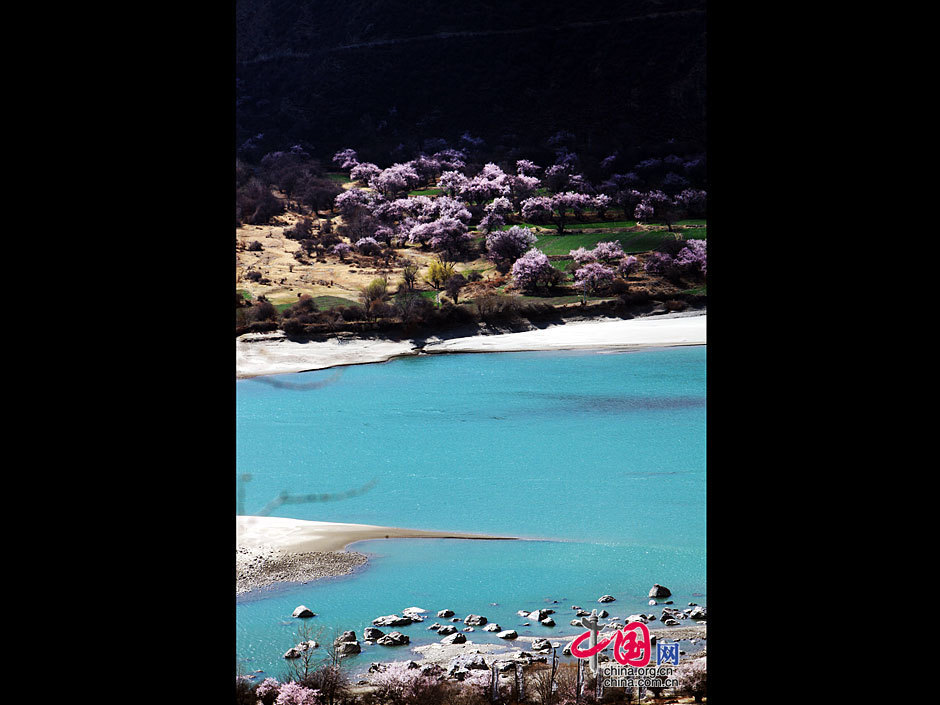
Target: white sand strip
x=269 y=354
x=272 y=353
x=299 y=536
x=609 y=333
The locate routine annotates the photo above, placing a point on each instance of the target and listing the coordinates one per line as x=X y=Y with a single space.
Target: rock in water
x=539 y=615
x=447 y=629
x=303 y=611
x=659 y=591
x=371 y=633
x=393 y=639
x=508 y=634
x=345 y=637
x=391 y=620
x=474 y=620
x=445 y=613
x=606 y=598
x=492 y=627
x=347 y=648
x=456 y=638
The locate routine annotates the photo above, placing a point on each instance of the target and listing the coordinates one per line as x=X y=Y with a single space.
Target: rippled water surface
x=598 y=455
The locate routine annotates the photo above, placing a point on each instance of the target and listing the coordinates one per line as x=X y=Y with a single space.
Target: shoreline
x=264 y=354
x=274 y=550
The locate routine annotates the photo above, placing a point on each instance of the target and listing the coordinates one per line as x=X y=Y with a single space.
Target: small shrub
x=438 y=273
x=301 y=230
x=254 y=246
x=253 y=276
x=263 y=311
x=454 y=284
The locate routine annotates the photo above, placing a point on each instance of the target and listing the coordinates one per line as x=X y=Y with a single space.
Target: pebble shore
x=258 y=567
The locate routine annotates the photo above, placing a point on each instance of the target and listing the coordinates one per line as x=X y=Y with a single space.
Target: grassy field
x=631 y=242
x=602 y=224
x=323 y=303
x=426 y=192
x=338 y=177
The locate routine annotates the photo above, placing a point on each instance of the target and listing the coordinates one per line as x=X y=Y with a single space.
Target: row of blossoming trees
x=380 y=211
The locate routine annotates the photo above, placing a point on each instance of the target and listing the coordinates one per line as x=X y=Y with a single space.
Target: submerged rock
x=606 y=598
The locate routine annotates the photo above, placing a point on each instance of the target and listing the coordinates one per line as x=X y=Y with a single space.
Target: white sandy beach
x=299 y=536
x=272 y=353
x=577 y=335
x=271 y=550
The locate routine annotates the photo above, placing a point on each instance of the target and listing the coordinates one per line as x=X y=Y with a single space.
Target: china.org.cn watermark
x=632 y=649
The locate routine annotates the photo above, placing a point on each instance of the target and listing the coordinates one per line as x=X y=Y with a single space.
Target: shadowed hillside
x=375 y=75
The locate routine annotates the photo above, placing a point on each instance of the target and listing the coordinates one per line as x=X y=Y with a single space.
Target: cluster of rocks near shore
x=454 y=657
x=261 y=567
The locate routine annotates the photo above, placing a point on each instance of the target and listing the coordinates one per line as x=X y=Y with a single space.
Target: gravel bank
x=258 y=567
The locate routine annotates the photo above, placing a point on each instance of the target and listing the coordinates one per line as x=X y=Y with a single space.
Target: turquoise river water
x=597 y=456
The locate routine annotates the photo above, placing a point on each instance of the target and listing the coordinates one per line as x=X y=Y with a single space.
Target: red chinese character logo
x=628 y=651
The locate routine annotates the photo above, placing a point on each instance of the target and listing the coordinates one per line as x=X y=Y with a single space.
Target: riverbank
x=270 y=550
x=260 y=354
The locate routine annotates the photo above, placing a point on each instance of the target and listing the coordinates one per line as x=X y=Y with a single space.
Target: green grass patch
x=559 y=300
x=427 y=192
x=323 y=303
x=431 y=296
x=697 y=290
x=632 y=242
x=244 y=293
x=327 y=302
x=339 y=178
x=561 y=263
x=602 y=224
